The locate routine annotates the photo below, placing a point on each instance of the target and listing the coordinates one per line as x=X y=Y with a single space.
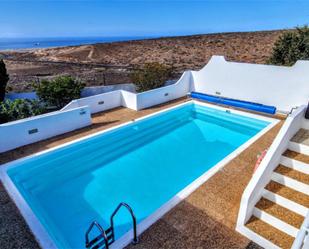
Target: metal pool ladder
x=107 y=237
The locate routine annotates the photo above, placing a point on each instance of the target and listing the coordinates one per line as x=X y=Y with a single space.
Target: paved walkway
x=206 y=219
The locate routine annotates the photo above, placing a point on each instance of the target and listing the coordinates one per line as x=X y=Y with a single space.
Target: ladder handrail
x=102 y=231
x=123 y=204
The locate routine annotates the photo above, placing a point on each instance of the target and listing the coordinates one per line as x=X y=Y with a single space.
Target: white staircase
x=280 y=213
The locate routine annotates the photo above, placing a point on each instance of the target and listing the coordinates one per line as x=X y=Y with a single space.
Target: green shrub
x=4 y=78
x=60 y=91
x=290 y=47
x=150 y=76
x=19 y=108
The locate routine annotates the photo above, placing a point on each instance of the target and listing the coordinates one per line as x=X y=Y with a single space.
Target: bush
x=4 y=78
x=19 y=108
x=152 y=75
x=60 y=91
x=290 y=47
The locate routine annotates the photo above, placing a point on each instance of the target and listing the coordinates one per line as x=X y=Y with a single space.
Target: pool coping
x=42 y=236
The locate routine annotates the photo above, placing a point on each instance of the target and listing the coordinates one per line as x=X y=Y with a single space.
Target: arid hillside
x=109 y=63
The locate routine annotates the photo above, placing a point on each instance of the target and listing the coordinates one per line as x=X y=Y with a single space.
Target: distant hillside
x=109 y=61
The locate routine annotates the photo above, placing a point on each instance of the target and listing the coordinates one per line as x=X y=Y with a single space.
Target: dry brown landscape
x=109 y=63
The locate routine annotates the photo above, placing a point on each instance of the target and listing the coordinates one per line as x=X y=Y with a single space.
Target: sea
x=32 y=43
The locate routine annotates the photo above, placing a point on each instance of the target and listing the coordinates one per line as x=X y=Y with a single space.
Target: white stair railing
x=262 y=176
x=302 y=239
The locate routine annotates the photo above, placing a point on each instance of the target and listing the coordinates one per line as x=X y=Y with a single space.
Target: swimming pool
x=145 y=163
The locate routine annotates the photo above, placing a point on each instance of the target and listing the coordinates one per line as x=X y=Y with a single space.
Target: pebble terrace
x=206 y=219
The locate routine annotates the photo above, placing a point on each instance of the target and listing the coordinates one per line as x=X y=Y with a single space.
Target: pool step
x=106 y=154
x=280 y=213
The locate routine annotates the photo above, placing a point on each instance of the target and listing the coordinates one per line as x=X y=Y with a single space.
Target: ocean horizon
x=47 y=42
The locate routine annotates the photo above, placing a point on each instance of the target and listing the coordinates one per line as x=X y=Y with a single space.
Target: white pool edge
x=42 y=236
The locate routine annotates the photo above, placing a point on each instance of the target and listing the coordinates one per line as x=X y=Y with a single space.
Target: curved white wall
x=283 y=87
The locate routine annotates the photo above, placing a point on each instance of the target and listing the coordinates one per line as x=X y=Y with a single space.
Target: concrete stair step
x=292 y=173
x=276 y=236
x=284 y=202
x=290 y=182
x=275 y=222
x=288 y=193
x=280 y=212
x=298 y=147
x=296 y=156
x=295 y=164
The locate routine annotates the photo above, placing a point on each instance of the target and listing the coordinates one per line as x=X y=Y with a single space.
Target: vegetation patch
x=19 y=108
x=59 y=92
x=150 y=76
x=290 y=47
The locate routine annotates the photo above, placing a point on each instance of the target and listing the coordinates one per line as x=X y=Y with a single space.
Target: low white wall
x=129 y=100
x=283 y=87
x=102 y=102
x=94 y=90
x=262 y=176
x=164 y=94
x=109 y=100
x=305 y=124
x=30 y=130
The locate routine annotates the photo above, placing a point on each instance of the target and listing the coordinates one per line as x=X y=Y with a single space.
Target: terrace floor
x=206 y=219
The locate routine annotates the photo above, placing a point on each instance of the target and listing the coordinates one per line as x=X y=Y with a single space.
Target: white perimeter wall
x=164 y=94
x=283 y=87
x=16 y=134
x=139 y=101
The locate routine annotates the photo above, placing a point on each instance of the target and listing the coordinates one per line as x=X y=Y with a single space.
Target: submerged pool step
x=230 y=117
x=110 y=137
x=226 y=124
x=110 y=153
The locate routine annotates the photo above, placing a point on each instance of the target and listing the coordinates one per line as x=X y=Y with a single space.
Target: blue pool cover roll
x=236 y=103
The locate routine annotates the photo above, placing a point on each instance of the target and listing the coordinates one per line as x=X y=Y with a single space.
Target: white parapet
x=283 y=87
x=30 y=130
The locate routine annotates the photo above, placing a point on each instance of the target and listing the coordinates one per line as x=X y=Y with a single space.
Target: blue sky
x=42 y=18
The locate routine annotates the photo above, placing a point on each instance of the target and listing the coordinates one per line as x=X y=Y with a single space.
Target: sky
x=110 y=18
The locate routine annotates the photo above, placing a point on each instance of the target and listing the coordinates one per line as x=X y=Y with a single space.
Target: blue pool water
x=143 y=164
